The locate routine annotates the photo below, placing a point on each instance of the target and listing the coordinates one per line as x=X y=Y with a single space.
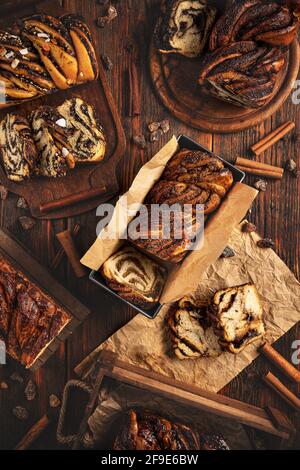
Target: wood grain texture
x=276 y=214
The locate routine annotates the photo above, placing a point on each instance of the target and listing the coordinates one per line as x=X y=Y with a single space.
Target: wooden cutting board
x=175 y=79
x=23 y=261
x=86 y=178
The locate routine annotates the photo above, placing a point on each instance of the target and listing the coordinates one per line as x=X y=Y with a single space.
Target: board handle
x=68 y=201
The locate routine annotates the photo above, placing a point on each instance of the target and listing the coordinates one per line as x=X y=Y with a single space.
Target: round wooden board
x=175 y=79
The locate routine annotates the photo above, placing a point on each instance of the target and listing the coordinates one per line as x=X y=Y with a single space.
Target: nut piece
x=140 y=141
x=27 y=223
x=266 y=243
x=165 y=126
x=21 y=203
x=54 y=401
x=290 y=165
x=261 y=185
x=30 y=390
x=156 y=136
x=107 y=62
x=228 y=253
x=153 y=126
x=248 y=227
x=20 y=413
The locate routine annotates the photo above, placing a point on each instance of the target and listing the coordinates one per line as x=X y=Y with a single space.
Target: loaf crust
x=29 y=319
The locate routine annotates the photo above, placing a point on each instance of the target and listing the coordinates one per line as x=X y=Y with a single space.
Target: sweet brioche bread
x=144 y=430
x=18 y=152
x=53 y=163
x=86 y=140
x=184 y=27
x=237 y=315
x=255 y=20
x=191 y=332
x=135 y=277
x=44 y=54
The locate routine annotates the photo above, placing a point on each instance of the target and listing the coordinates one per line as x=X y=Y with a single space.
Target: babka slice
x=18 y=151
x=237 y=315
x=184 y=27
x=135 y=277
x=54 y=158
x=86 y=139
x=191 y=331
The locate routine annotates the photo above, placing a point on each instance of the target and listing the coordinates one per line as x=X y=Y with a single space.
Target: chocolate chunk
x=112 y=13
x=153 y=126
x=22 y=204
x=107 y=62
x=54 y=401
x=228 y=253
x=3 y=386
x=27 y=223
x=101 y=21
x=15 y=377
x=3 y=192
x=266 y=243
x=248 y=227
x=261 y=185
x=292 y=167
x=140 y=141
x=30 y=390
x=165 y=126
x=20 y=413
x=156 y=136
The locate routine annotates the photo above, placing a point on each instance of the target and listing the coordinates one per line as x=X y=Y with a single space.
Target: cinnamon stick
x=67 y=201
x=260 y=172
x=60 y=254
x=33 y=433
x=67 y=242
x=258 y=165
x=134 y=91
x=271 y=139
x=289 y=397
x=288 y=369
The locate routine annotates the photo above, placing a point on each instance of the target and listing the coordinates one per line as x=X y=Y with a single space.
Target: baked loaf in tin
x=29 y=318
x=135 y=277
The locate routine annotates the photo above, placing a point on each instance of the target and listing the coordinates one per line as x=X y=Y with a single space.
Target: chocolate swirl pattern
x=135 y=277
x=29 y=320
x=43 y=54
x=18 y=151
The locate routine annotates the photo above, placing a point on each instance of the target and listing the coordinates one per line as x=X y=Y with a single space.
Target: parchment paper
x=182 y=278
x=145 y=343
x=115 y=399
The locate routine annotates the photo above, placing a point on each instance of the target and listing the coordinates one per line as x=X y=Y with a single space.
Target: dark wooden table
x=276 y=214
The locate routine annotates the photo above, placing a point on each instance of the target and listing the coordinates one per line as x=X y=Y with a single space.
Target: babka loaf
x=43 y=54
x=29 y=319
x=242 y=73
x=135 y=277
x=191 y=331
x=18 y=152
x=191 y=178
x=184 y=27
x=143 y=430
x=237 y=315
x=86 y=140
x=255 y=20
x=53 y=160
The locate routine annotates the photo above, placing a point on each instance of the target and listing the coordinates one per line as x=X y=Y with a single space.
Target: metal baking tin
x=95 y=276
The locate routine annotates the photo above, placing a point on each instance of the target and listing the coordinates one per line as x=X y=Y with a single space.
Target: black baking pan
x=184 y=143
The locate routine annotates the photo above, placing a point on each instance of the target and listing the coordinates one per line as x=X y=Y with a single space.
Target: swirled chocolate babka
x=18 y=152
x=135 y=277
x=29 y=319
x=42 y=53
x=255 y=20
x=237 y=315
x=184 y=27
x=143 y=430
x=191 y=331
x=242 y=73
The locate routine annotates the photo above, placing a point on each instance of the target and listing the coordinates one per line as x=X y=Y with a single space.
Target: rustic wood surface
x=276 y=214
